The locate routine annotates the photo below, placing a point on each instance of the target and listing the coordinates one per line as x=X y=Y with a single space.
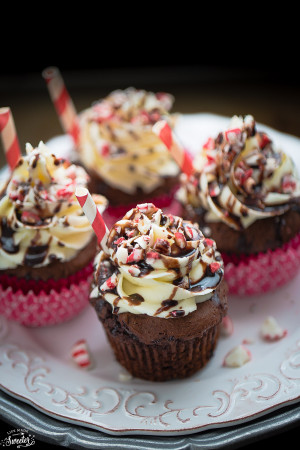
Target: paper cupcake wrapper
x=177 y=359
x=261 y=273
x=38 y=309
x=166 y=202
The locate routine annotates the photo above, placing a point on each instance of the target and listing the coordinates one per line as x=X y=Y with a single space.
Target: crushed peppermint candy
x=30 y=217
x=136 y=255
x=146 y=208
x=241 y=177
x=81 y=355
x=226 y=326
x=125 y=376
x=110 y=283
x=215 y=266
x=180 y=239
x=271 y=330
x=237 y=356
x=146 y=242
x=134 y=270
x=191 y=232
x=102 y=112
x=232 y=135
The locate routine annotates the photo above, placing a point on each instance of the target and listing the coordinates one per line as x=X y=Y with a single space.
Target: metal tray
x=46 y=429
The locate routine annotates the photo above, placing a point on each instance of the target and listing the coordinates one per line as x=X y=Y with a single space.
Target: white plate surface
x=36 y=367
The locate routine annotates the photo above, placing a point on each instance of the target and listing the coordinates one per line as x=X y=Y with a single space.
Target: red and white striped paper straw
x=163 y=130
x=9 y=137
x=93 y=215
x=62 y=101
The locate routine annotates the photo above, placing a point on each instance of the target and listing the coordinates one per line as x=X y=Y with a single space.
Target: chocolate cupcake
x=245 y=192
x=126 y=161
x=159 y=294
x=47 y=245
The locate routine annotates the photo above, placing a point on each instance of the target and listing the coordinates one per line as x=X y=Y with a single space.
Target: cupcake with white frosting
x=47 y=245
x=159 y=294
x=126 y=161
x=245 y=193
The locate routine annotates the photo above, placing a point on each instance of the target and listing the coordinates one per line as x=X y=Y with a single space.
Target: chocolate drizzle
x=210 y=280
x=166 y=304
x=7 y=238
x=242 y=177
x=35 y=255
x=146 y=240
x=135 y=299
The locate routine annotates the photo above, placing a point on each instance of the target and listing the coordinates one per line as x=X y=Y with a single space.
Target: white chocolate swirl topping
x=116 y=140
x=240 y=177
x=158 y=265
x=40 y=217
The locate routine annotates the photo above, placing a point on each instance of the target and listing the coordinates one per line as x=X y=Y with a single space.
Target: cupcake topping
x=132 y=105
x=158 y=265
x=240 y=177
x=117 y=141
x=40 y=218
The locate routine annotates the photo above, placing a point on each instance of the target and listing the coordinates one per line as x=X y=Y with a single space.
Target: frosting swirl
x=157 y=265
x=116 y=140
x=240 y=177
x=40 y=218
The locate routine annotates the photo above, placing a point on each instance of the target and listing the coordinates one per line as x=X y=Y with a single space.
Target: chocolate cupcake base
x=263 y=235
x=164 y=362
x=56 y=270
x=47 y=295
x=158 y=349
x=117 y=197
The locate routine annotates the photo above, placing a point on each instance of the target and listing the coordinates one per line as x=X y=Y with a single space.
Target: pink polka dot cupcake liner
x=42 y=303
x=258 y=274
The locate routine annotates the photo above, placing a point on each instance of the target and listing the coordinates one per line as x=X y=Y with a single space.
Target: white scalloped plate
x=35 y=364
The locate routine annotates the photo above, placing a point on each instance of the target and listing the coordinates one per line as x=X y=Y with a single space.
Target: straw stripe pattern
x=62 y=102
x=9 y=137
x=163 y=130
x=93 y=215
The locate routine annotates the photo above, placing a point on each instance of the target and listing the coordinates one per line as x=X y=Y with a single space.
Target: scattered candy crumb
x=125 y=376
x=271 y=330
x=226 y=328
x=237 y=357
x=81 y=355
x=248 y=341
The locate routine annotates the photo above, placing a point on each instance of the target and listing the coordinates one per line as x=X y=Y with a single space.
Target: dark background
x=215 y=81
x=271 y=96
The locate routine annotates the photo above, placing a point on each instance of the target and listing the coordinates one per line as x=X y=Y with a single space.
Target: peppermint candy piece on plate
x=81 y=355
x=237 y=356
x=271 y=330
x=226 y=327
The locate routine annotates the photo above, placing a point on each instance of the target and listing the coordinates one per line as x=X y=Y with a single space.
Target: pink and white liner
x=43 y=309
x=264 y=272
